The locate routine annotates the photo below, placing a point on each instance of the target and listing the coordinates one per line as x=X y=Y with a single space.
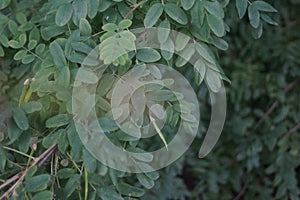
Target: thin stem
x=135 y=6
x=32 y=53
x=31 y=154
x=9 y=181
x=86 y=179
x=94 y=35
x=274 y=105
x=16 y=164
x=292 y=130
x=79 y=195
x=20 y=176
x=19 y=152
x=242 y=192
x=75 y=165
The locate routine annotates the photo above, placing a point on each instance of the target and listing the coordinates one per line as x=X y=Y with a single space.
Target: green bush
x=44 y=45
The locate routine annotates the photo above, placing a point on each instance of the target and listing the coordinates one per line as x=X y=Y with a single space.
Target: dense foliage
x=43 y=44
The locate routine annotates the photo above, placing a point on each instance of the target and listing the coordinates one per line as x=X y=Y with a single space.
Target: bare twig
x=274 y=105
x=9 y=181
x=20 y=176
x=242 y=192
x=292 y=130
x=135 y=6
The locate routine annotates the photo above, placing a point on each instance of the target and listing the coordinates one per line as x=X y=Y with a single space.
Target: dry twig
x=135 y=6
x=39 y=161
x=274 y=105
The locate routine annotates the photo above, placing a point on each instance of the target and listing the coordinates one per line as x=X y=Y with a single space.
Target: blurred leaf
x=37 y=183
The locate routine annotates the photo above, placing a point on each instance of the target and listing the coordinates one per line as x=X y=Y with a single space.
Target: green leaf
x=20 y=119
x=4 y=4
x=65 y=173
x=181 y=41
x=187 y=4
x=37 y=183
x=220 y=43
x=13 y=131
x=105 y=84
x=52 y=138
x=163 y=31
x=63 y=14
x=257 y=33
x=107 y=193
x=110 y=27
x=22 y=39
x=89 y=161
x=1 y=51
x=57 y=55
x=107 y=125
x=32 y=106
x=148 y=55
x=81 y=47
x=145 y=180
x=185 y=55
x=268 y=19
x=58 y=120
x=2 y=160
x=13 y=27
x=130 y=190
x=155 y=71
x=176 y=13
x=241 y=6
x=63 y=76
x=126 y=23
x=40 y=48
x=204 y=52
x=32 y=44
x=63 y=142
x=52 y=31
x=29 y=58
x=71 y=185
x=75 y=142
x=254 y=16
x=24 y=141
x=45 y=195
x=34 y=34
x=154 y=175
x=14 y=44
x=153 y=15
x=80 y=10
x=213 y=80
x=87 y=76
x=21 y=18
x=216 y=24
x=263 y=6
x=85 y=27
x=93 y=6
x=20 y=54
x=200 y=68
x=214 y=8
x=4 y=40
x=161 y=95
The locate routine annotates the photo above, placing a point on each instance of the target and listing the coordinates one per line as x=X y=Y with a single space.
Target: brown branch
x=20 y=177
x=135 y=6
x=274 y=105
x=242 y=192
x=9 y=181
x=292 y=130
